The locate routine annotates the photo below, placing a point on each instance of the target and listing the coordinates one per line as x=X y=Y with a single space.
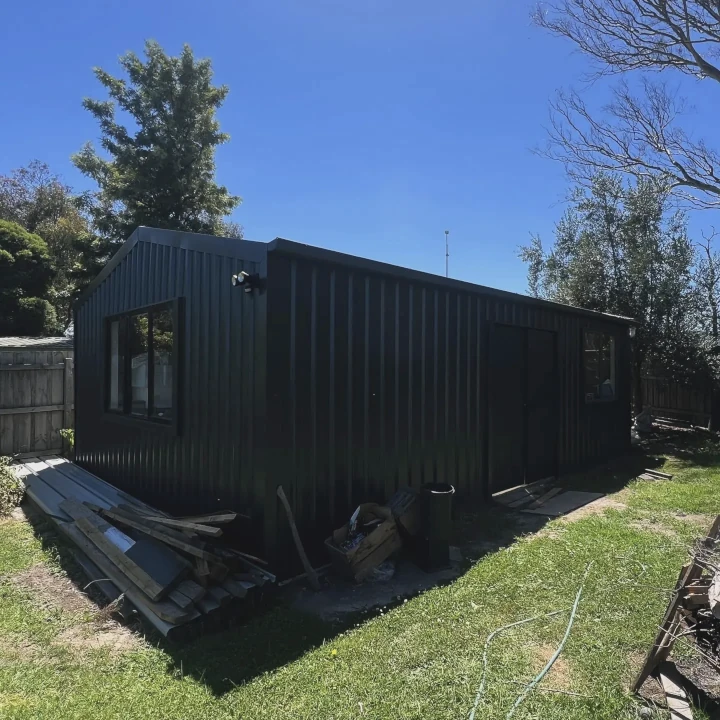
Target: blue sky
x=368 y=128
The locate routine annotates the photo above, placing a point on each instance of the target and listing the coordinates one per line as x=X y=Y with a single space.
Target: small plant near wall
x=11 y=487
x=68 y=436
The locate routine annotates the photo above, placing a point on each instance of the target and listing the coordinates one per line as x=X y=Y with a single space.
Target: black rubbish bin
x=435 y=527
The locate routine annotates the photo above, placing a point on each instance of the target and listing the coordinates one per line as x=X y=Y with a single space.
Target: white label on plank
x=119 y=539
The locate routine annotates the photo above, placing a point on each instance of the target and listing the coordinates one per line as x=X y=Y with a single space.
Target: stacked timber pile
x=173 y=571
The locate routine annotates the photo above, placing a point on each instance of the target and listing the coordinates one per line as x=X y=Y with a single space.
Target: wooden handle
x=311 y=574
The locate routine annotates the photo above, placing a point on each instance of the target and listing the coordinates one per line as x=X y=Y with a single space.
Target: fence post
x=68 y=393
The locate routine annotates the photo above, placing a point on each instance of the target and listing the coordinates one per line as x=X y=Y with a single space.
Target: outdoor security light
x=246 y=281
x=631 y=331
x=240 y=279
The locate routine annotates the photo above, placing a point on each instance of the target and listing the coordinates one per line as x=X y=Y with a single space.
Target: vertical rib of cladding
x=210 y=463
x=377 y=381
x=374 y=382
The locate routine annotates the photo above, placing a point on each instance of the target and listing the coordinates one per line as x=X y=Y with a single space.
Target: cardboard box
x=381 y=542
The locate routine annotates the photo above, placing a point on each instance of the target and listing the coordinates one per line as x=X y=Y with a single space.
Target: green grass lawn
x=422 y=659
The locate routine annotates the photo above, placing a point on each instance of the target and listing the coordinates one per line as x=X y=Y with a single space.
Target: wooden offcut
x=544 y=498
x=311 y=574
x=186 y=525
x=165 y=534
x=216 y=518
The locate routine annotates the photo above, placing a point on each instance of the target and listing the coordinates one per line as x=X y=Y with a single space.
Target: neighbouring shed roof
x=37 y=343
x=237 y=247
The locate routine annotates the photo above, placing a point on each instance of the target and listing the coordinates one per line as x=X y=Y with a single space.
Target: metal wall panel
x=211 y=462
x=378 y=378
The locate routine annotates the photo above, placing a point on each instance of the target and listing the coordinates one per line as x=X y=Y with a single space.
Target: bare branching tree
x=639 y=134
x=707 y=281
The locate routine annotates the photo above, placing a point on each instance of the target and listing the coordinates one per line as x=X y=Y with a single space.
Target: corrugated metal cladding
x=212 y=461
x=378 y=378
x=343 y=379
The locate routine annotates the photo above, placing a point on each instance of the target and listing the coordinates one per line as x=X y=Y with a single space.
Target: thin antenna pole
x=447 y=253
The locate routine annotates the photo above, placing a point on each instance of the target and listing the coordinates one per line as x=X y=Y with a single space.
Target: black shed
x=338 y=377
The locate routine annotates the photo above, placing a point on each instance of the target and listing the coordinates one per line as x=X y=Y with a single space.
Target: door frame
x=488 y=409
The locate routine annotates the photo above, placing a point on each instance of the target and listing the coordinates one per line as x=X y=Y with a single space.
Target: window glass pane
x=117 y=367
x=138 y=350
x=599 y=359
x=163 y=338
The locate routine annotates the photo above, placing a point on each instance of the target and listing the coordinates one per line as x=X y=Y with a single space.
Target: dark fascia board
x=230 y=247
x=309 y=252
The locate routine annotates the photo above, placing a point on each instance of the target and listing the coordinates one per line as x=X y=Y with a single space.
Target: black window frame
x=613 y=366
x=124 y=415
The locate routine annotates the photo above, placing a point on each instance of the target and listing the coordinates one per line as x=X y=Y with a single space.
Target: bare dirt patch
x=53 y=591
x=559 y=675
x=653 y=526
x=107 y=636
x=18 y=649
x=703 y=521
x=93 y=629
x=597 y=507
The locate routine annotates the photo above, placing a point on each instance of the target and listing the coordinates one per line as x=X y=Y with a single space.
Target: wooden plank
x=30 y=410
x=677 y=699
x=166 y=535
x=185 y=525
x=33 y=366
x=663 y=640
x=518 y=493
x=524 y=501
x=94 y=528
x=544 y=498
x=167 y=611
x=217 y=518
x=664 y=476
x=154 y=590
x=194 y=591
x=44 y=454
x=221 y=595
x=181 y=600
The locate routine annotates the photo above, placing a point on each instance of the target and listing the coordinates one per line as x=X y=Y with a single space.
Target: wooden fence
x=678 y=401
x=36 y=400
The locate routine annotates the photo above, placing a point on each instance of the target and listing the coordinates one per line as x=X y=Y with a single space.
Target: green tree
x=26 y=273
x=38 y=200
x=160 y=168
x=620 y=250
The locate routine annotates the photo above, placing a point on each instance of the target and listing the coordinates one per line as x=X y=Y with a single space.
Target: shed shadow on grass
x=276 y=634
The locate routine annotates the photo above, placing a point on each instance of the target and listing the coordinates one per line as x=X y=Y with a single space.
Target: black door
x=523 y=401
x=542 y=405
x=506 y=397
